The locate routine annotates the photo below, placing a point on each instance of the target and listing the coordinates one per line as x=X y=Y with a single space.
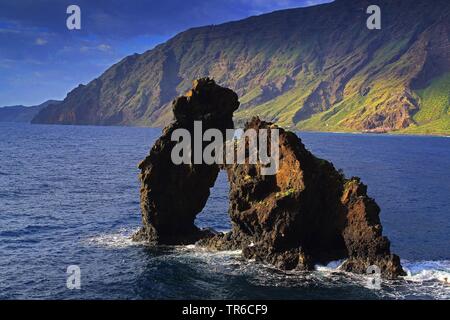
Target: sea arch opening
x=215 y=214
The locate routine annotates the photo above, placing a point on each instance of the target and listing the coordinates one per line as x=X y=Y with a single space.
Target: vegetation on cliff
x=314 y=68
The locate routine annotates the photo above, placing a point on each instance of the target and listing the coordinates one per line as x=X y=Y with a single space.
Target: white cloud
x=104 y=47
x=90 y=48
x=41 y=41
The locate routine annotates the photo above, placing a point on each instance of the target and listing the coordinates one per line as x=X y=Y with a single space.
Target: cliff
x=23 y=113
x=314 y=68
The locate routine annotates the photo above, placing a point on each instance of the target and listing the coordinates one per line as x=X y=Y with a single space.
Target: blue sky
x=41 y=59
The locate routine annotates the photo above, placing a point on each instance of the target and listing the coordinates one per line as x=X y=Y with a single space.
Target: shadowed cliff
x=315 y=68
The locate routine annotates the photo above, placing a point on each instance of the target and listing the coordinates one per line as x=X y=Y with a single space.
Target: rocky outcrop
x=172 y=195
x=307 y=213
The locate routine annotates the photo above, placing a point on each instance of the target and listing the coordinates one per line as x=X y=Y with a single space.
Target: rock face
x=172 y=195
x=307 y=213
x=315 y=68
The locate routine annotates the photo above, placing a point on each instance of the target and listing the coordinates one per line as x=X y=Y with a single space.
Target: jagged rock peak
x=205 y=101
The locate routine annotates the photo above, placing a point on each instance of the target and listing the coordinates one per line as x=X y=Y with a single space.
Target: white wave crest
x=331 y=266
x=420 y=271
x=118 y=239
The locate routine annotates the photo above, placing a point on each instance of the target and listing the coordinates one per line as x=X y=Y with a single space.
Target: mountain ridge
x=20 y=113
x=315 y=68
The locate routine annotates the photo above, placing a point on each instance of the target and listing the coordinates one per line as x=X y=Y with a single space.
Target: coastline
x=391 y=133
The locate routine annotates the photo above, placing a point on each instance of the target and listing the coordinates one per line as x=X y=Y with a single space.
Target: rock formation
x=172 y=195
x=307 y=213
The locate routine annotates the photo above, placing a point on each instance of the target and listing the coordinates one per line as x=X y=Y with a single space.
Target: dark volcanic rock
x=307 y=213
x=172 y=195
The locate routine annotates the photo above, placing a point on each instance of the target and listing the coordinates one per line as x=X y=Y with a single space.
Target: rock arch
x=306 y=213
x=172 y=195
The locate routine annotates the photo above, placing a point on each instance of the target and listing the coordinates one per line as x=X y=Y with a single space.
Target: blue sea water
x=69 y=195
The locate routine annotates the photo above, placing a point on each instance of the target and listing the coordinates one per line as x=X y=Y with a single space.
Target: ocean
x=69 y=195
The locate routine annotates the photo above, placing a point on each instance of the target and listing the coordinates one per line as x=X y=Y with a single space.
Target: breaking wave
x=118 y=239
x=423 y=271
x=425 y=279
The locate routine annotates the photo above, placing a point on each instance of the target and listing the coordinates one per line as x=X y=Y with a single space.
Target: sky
x=41 y=59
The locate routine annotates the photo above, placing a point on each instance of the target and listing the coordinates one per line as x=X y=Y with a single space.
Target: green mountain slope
x=315 y=68
x=434 y=113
